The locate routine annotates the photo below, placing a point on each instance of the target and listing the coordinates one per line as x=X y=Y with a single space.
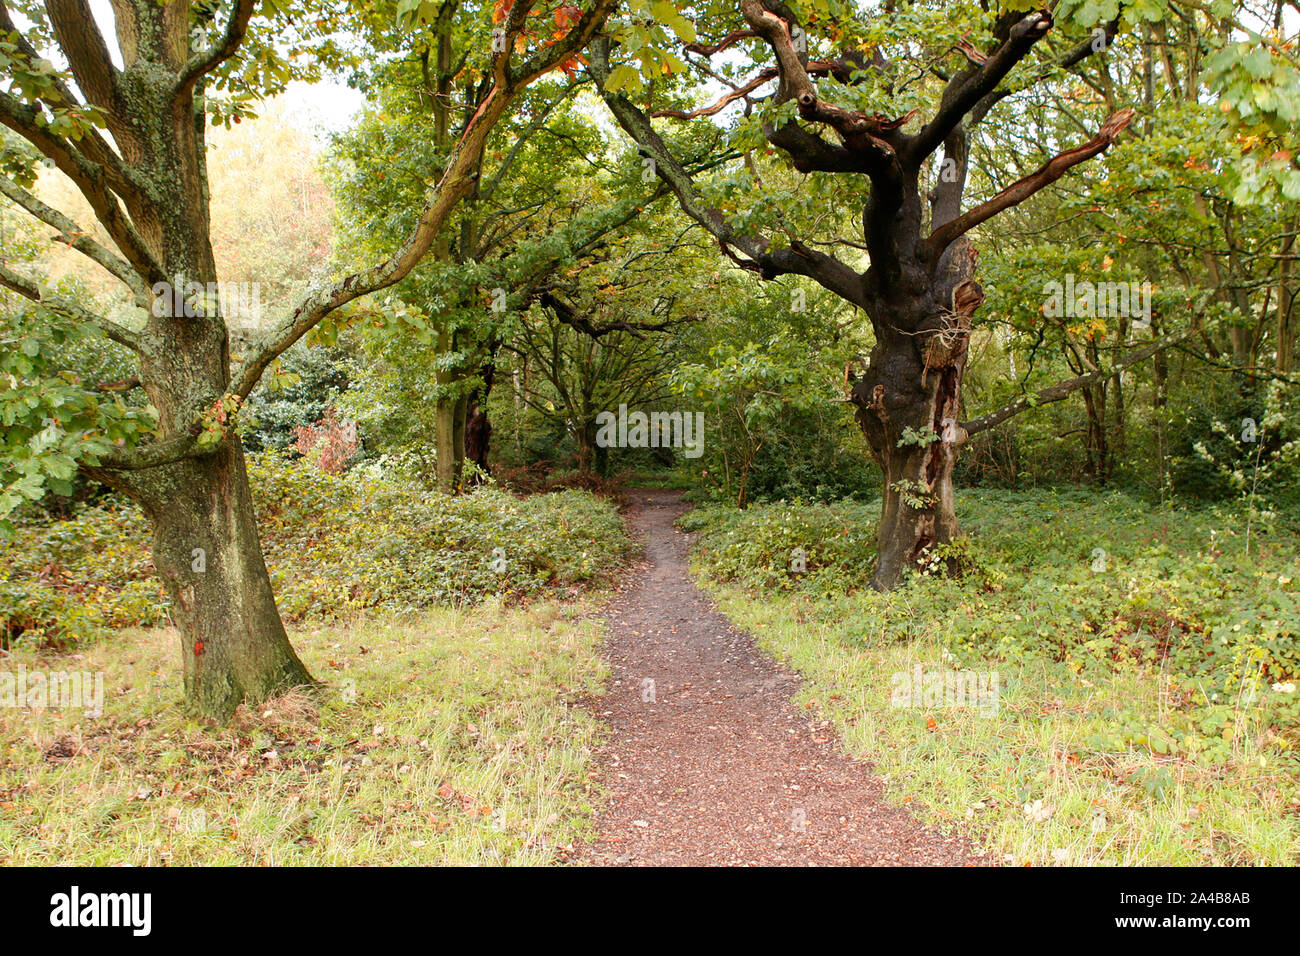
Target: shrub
x=766 y=545
x=334 y=545
x=1091 y=584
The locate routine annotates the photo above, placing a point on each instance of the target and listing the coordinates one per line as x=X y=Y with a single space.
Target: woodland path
x=717 y=766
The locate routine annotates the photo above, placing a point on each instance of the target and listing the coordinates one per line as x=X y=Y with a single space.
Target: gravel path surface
x=709 y=762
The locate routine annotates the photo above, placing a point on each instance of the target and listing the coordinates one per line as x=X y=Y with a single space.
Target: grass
x=445 y=737
x=1101 y=751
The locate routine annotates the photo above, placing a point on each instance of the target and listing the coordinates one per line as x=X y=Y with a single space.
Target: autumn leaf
x=566 y=14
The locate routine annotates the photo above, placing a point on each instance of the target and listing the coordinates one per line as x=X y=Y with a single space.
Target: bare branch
x=728 y=40
x=737 y=93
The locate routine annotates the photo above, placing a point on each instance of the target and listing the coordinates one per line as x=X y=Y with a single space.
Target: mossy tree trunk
x=206 y=549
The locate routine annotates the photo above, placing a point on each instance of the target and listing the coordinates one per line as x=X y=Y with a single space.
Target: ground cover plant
x=1148 y=669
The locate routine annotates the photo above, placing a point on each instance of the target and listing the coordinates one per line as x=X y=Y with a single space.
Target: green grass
x=1138 y=719
x=447 y=737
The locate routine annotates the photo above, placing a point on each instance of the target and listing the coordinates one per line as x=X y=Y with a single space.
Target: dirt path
x=713 y=764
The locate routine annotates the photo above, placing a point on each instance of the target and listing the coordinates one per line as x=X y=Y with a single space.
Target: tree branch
x=570 y=317
x=152 y=455
x=120 y=177
x=203 y=63
x=1022 y=189
x=1062 y=390
x=90 y=179
x=80 y=40
x=728 y=40
x=458 y=180
x=31 y=290
x=868 y=140
x=760 y=257
x=967 y=89
x=71 y=234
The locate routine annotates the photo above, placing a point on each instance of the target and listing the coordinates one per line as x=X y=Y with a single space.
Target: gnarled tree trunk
x=907 y=407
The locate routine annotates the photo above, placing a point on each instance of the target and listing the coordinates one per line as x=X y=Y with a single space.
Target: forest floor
x=443 y=737
x=708 y=760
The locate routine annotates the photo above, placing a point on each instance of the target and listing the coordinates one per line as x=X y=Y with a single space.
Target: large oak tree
x=918 y=287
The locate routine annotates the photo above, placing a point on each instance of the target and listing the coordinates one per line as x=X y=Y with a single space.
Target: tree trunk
x=207 y=551
x=206 y=545
x=478 y=437
x=450 y=454
x=1286 y=295
x=445 y=440
x=907 y=406
x=918 y=507
x=1159 y=398
x=458 y=438
x=585 y=435
x=478 y=428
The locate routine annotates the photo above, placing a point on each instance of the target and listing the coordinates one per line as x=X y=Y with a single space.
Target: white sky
x=314 y=108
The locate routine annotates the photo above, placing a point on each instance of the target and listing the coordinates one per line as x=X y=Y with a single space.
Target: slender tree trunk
x=1159 y=398
x=585 y=436
x=1286 y=295
x=458 y=438
x=444 y=428
x=445 y=440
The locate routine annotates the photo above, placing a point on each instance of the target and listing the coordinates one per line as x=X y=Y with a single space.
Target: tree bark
x=908 y=406
x=1286 y=296
x=445 y=440
x=585 y=436
x=207 y=551
x=458 y=437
